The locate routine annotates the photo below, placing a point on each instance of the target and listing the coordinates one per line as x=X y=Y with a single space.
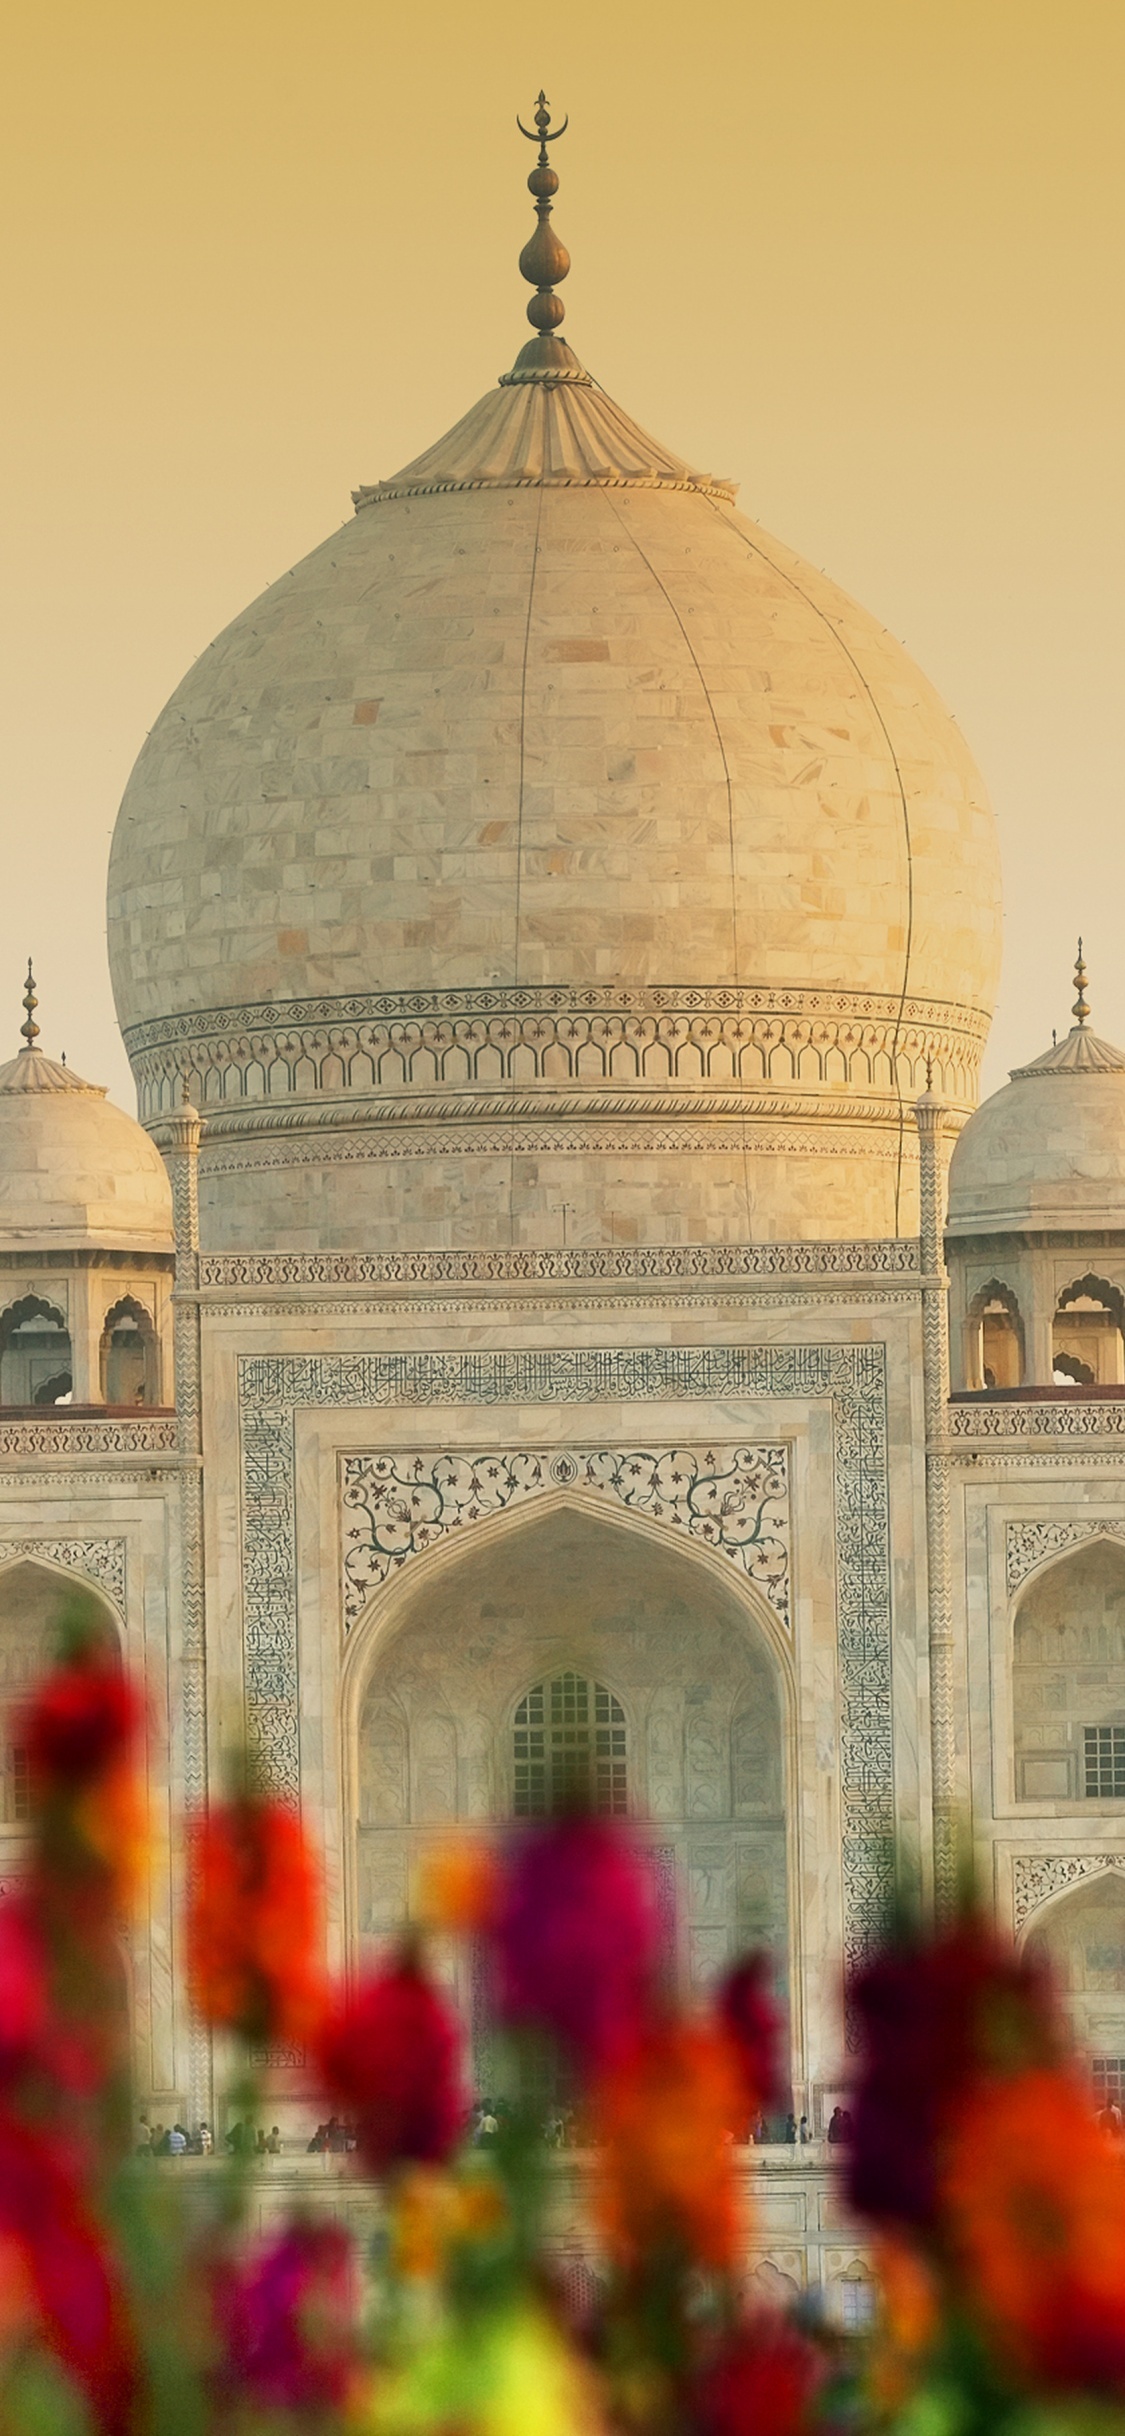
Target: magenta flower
x=578 y=1937
x=287 y=2319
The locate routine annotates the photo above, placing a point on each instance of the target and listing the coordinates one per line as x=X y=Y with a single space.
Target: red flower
x=287 y=2318
x=81 y=1724
x=937 y=2020
x=81 y=2310
x=578 y=1937
x=253 y=1920
x=391 y=2057
x=752 y=2022
x=766 y=2378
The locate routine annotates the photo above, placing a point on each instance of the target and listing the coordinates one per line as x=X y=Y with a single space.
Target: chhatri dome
x=1046 y=1154
x=76 y=1173
x=551 y=856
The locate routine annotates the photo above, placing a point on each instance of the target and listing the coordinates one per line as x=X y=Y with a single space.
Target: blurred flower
x=936 y=2021
x=390 y=2055
x=457 y=1888
x=80 y=2308
x=578 y=1936
x=23 y=1986
x=511 y=2373
x=908 y=2322
x=253 y=1920
x=1035 y=2202
x=433 y=2211
x=764 y=2382
x=82 y=1723
x=752 y=2022
x=665 y=2114
x=287 y=2317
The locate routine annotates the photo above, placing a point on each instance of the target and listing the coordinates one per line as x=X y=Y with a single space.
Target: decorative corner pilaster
x=929 y=1116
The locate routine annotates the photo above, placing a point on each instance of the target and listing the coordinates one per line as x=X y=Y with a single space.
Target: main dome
x=551 y=839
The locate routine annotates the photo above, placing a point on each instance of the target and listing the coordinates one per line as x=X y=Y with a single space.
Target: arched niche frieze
x=684 y=1651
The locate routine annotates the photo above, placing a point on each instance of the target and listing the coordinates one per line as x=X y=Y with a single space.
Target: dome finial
x=1080 y=1010
x=544 y=260
x=29 y=1028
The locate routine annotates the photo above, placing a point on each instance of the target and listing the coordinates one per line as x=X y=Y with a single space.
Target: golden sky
x=863 y=255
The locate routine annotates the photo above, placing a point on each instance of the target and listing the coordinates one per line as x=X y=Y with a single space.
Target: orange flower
x=1035 y=2206
x=665 y=2116
x=908 y=2323
x=253 y=1920
x=457 y=1888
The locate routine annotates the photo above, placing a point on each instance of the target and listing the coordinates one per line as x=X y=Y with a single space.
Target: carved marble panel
x=1028 y=1544
x=734 y=1499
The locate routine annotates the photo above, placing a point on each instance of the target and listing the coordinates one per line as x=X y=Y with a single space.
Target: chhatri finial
x=1080 y=1010
x=29 y=1028
x=544 y=260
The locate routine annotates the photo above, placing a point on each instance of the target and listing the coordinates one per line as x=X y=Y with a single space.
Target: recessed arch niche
x=440 y=1674
x=1068 y=1678
x=1081 y=1936
x=33 y=1597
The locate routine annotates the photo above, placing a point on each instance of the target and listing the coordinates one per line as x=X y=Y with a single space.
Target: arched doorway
x=1082 y=1938
x=129 y=1357
x=565 y=1641
x=1068 y=1679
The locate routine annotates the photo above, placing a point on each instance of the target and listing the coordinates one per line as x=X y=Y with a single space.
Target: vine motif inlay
x=273 y=1389
x=1038 y=1876
x=102 y=1561
x=1027 y=1544
x=735 y=1499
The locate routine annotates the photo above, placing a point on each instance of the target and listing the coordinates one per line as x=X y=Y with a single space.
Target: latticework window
x=1105 y=1761
x=19 y=1784
x=569 y=1749
x=1109 y=2079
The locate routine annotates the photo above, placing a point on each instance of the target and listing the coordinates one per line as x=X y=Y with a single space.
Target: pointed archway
x=653 y=1666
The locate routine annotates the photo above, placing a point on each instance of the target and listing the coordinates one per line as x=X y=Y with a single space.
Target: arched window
x=129 y=1355
x=996 y=1354
x=35 y=1358
x=1068 y=1679
x=1088 y=1340
x=569 y=1750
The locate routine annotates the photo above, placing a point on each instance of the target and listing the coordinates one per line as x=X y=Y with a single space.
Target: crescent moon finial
x=544 y=260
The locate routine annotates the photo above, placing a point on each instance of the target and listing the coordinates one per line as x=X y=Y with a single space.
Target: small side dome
x=1046 y=1154
x=76 y=1173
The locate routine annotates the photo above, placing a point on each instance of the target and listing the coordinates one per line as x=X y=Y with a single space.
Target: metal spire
x=544 y=260
x=29 y=1029
x=1080 y=1010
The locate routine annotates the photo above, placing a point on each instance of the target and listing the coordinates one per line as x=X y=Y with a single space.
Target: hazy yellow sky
x=864 y=255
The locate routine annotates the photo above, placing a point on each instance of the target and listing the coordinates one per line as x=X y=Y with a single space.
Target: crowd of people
x=336 y=2138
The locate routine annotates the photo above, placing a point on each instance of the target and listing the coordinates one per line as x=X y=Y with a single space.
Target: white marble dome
x=551 y=839
x=76 y=1173
x=1046 y=1154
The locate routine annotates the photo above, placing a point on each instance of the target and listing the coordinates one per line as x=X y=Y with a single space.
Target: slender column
x=85 y=1337
x=182 y=1158
x=929 y=1116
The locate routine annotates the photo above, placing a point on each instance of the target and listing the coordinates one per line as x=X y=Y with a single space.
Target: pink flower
x=578 y=1937
x=287 y=2318
x=390 y=2055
